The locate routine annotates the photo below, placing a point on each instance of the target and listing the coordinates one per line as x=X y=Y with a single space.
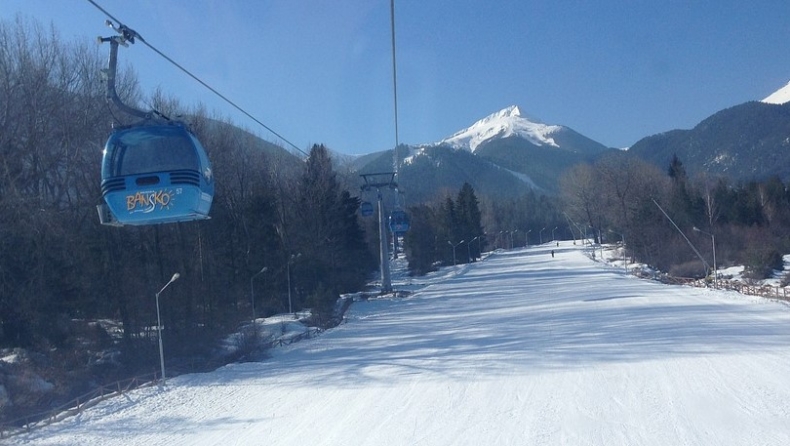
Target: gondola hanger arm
x=125 y=34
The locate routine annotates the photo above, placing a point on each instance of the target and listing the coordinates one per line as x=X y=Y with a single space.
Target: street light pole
x=159 y=328
x=479 y=252
x=625 y=264
x=288 y=273
x=540 y=234
x=454 y=246
x=600 y=242
x=252 y=291
x=552 y=233
x=713 y=242
x=527 y=238
x=625 y=261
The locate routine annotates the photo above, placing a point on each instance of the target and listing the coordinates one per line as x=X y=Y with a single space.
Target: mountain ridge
x=744 y=142
x=500 y=155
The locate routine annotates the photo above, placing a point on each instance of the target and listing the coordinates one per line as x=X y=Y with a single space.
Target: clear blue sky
x=321 y=71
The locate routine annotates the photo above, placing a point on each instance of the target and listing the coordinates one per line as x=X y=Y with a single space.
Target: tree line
x=60 y=268
x=670 y=220
x=466 y=225
x=446 y=233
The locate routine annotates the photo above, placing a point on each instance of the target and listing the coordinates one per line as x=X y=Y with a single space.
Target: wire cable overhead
x=132 y=35
x=395 y=97
x=394 y=71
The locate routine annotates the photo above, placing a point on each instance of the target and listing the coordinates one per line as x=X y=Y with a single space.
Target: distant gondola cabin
x=399 y=221
x=366 y=208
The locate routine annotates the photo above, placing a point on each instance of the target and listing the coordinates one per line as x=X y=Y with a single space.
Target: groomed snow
x=520 y=349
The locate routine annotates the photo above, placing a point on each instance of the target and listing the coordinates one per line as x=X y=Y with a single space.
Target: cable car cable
x=395 y=97
x=394 y=75
x=133 y=34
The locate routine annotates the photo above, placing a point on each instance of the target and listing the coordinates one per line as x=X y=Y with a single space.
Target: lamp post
x=691 y=245
x=625 y=262
x=291 y=259
x=454 y=246
x=541 y=235
x=526 y=244
x=159 y=327
x=713 y=242
x=600 y=242
x=552 y=233
x=252 y=291
x=469 y=250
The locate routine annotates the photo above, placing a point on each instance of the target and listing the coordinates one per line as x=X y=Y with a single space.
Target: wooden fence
x=760 y=290
x=287 y=341
x=768 y=291
x=76 y=406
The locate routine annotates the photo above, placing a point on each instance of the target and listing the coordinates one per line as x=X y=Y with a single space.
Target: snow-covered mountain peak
x=512 y=111
x=780 y=96
x=502 y=124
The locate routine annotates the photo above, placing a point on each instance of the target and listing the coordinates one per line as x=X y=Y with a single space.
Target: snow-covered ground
x=519 y=349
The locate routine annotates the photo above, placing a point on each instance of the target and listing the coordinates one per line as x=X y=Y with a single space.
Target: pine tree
x=469 y=217
x=420 y=241
x=327 y=233
x=676 y=170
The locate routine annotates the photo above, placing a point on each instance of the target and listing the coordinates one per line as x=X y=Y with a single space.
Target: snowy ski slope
x=519 y=349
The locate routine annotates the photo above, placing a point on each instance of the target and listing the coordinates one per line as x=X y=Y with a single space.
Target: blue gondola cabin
x=399 y=221
x=155 y=174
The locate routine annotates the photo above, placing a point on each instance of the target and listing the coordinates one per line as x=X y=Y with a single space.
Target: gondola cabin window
x=156 y=149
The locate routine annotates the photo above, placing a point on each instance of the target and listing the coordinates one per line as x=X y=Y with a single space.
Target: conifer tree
x=327 y=234
x=469 y=217
x=420 y=241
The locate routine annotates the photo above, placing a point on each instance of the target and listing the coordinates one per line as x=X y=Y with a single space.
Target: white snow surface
x=520 y=349
x=502 y=124
x=780 y=96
